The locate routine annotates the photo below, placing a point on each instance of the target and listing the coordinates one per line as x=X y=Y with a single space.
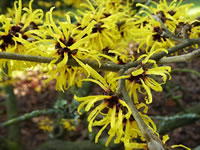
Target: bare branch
x=158 y=56
x=110 y=66
x=196 y=73
x=107 y=66
x=182 y=58
x=167 y=33
x=178 y=120
x=27 y=116
x=153 y=141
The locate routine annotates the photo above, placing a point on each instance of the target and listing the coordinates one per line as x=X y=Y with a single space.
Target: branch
x=196 y=73
x=197 y=148
x=179 y=120
x=12 y=112
x=167 y=33
x=107 y=66
x=182 y=58
x=27 y=116
x=186 y=43
x=61 y=144
x=158 y=56
x=153 y=142
x=23 y=57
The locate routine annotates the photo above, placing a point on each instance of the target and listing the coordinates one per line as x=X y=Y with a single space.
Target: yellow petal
x=81 y=106
x=165 y=138
x=149 y=99
x=100 y=132
x=91 y=97
x=18 y=11
x=180 y=145
x=142 y=105
x=113 y=116
x=153 y=84
x=137 y=72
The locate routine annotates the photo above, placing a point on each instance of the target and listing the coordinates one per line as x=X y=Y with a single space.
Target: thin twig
x=27 y=116
x=167 y=33
x=153 y=142
x=158 y=56
x=23 y=57
x=105 y=65
x=178 y=120
x=110 y=66
x=119 y=88
x=196 y=73
x=181 y=58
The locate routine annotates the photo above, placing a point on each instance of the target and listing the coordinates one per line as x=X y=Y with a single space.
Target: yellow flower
x=174 y=16
x=68 y=124
x=116 y=110
x=65 y=76
x=110 y=112
x=21 y=34
x=132 y=131
x=46 y=125
x=102 y=24
x=110 y=108
x=168 y=13
x=150 y=34
x=142 y=78
x=67 y=44
x=24 y=31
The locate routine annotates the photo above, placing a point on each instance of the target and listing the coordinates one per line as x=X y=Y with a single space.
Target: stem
x=15 y=56
x=107 y=66
x=196 y=73
x=158 y=56
x=153 y=142
x=27 y=116
x=12 y=112
x=167 y=32
x=186 y=43
x=178 y=120
x=182 y=58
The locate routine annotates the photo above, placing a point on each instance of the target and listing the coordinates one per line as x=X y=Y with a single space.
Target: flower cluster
x=165 y=25
x=48 y=124
x=113 y=114
x=21 y=35
x=141 y=77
